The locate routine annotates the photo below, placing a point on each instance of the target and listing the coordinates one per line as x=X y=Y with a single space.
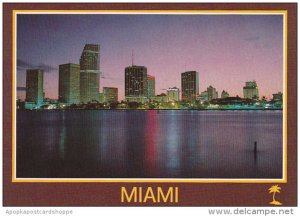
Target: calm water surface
x=149 y=144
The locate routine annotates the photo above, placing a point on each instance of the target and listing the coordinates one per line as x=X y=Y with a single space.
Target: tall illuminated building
x=189 y=85
x=151 y=86
x=173 y=94
x=90 y=73
x=69 y=83
x=110 y=94
x=136 y=84
x=212 y=93
x=250 y=90
x=34 y=86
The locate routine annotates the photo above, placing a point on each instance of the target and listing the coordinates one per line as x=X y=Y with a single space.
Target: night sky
x=226 y=50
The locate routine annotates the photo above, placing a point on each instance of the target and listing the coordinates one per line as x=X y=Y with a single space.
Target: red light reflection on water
x=150 y=139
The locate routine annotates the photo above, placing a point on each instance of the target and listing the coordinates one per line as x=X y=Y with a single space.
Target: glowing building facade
x=136 y=84
x=250 y=90
x=69 y=83
x=151 y=86
x=189 y=85
x=90 y=73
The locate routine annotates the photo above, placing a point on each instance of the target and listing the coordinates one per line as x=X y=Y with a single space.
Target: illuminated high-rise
x=90 y=73
x=189 y=85
x=212 y=93
x=136 y=83
x=173 y=94
x=250 y=90
x=110 y=94
x=34 y=86
x=151 y=86
x=69 y=83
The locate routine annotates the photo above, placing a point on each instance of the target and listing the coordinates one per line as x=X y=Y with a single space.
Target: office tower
x=136 y=85
x=151 y=86
x=251 y=90
x=224 y=94
x=173 y=94
x=34 y=86
x=110 y=94
x=89 y=73
x=69 y=83
x=211 y=93
x=203 y=97
x=189 y=85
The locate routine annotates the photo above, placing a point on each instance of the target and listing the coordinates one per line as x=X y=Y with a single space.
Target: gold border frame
x=147 y=180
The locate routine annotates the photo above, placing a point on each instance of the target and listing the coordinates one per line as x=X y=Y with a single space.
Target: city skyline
x=226 y=50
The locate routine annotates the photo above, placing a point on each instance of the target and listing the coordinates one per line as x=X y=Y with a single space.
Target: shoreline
x=47 y=110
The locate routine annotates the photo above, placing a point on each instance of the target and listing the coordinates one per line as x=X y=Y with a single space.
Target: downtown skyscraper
x=151 y=86
x=69 y=83
x=34 y=86
x=189 y=85
x=90 y=73
x=250 y=90
x=212 y=93
x=136 y=84
x=173 y=94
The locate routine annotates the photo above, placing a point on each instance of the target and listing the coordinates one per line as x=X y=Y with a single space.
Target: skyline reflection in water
x=149 y=144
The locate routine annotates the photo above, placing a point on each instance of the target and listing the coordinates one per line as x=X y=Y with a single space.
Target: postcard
x=150 y=104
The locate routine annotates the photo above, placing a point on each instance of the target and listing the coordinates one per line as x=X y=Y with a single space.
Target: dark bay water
x=149 y=144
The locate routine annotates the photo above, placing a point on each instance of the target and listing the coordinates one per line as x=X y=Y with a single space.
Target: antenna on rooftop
x=132 y=56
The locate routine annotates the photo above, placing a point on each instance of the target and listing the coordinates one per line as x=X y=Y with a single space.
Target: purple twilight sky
x=226 y=50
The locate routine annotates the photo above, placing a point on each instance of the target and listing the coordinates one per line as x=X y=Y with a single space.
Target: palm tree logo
x=275 y=189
